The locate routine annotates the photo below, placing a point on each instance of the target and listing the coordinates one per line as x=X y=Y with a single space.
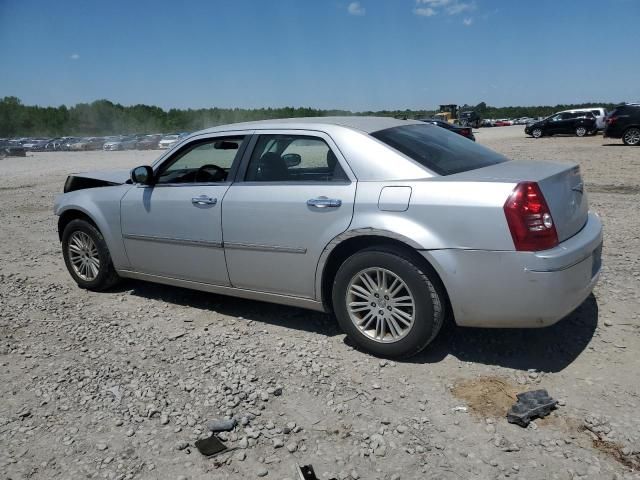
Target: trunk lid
x=560 y=183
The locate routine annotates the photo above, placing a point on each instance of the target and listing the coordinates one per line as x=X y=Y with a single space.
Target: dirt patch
x=621 y=189
x=486 y=396
x=614 y=450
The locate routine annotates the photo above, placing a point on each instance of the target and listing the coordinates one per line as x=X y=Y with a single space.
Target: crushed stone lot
x=119 y=385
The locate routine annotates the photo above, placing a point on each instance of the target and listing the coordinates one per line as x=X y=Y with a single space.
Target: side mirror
x=142 y=175
x=292 y=159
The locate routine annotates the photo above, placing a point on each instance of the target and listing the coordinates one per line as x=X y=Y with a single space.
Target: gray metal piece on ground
x=530 y=405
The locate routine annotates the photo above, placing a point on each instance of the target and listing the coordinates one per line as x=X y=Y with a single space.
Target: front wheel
x=536 y=133
x=631 y=137
x=386 y=303
x=87 y=257
x=581 y=131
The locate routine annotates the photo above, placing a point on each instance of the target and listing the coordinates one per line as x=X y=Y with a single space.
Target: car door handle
x=204 y=200
x=324 y=202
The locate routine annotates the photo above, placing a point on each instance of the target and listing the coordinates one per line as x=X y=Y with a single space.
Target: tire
x=631 y=136
x=581 y=131
x=536 y=133
x=80 y=242
x=420 y=286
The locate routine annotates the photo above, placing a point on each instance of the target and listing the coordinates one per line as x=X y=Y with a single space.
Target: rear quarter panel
x=442 y=214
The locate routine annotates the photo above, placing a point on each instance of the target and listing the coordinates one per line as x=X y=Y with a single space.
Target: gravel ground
x=121 y=384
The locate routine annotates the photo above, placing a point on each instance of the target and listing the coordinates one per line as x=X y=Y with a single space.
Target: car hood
x=115 y=177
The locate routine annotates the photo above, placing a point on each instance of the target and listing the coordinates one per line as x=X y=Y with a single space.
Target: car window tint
x=596 y=112
x=293 y=158
x=437 y=149
x=201 y=161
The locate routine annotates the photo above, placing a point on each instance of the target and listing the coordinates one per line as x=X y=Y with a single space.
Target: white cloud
x=74 y=56
x=467 y=21
x=425 y=11
x=355 y=8
x=428 y=8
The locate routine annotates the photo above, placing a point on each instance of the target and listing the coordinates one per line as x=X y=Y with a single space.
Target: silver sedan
x=392 y=225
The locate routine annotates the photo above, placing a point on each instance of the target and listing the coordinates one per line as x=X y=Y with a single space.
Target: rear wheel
x=581 y=131
x=386 y=303
x=87 y=257
x=631 y=136
x=536 y=133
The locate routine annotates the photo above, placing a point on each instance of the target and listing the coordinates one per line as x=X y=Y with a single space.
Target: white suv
x=598 y=112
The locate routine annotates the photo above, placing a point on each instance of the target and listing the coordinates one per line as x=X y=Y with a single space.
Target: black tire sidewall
x=102 y=280
x=424 y=324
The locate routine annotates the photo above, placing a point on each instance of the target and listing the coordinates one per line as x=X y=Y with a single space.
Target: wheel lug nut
x=376 y=295
x=386 y=297
x=381 y=312
x=389 y=308
x=373 y=304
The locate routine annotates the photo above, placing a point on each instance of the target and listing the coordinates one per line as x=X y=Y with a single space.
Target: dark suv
x=578 y=123
x=624 y=123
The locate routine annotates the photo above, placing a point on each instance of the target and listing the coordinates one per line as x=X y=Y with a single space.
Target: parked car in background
x=599 y=113
x=148 y=142
x=11 y=149
x=624 y=122
x=168 y=141
x=32 y=144
x=464 y=131
x=89 y=143
x=390 y=224
x=576 y=123
x=502 y=123
x=121 y=143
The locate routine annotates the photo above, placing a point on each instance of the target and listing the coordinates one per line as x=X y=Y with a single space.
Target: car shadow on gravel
x=549 y=349
x=268 y=313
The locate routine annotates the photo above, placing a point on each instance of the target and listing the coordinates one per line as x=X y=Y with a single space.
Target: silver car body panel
x=262 y=241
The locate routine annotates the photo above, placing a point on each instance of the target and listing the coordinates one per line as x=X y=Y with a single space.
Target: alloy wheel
x=581 y=131
x=83 y=255
x=380 y=305
x=632 y=136
x=537 y=133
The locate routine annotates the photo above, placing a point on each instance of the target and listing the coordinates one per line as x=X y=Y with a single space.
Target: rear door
x=295 y=194
x=174 y=228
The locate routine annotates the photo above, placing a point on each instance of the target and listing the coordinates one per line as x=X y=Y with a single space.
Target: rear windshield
x=437 y=149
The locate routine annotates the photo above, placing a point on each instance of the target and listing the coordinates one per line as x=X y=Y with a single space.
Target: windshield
x=437 y=149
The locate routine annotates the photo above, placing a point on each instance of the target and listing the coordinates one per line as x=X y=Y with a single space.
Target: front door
x=173 y=228
x=294 y=197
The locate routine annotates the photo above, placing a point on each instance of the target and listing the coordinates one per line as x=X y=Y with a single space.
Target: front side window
x=204 y=161
x=437 y=149
x=293 y=158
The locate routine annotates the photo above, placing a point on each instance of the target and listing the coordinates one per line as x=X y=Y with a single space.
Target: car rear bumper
x=521 y=289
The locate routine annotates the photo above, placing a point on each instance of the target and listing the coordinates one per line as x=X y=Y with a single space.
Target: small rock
x=292 y=447
x=222 y=425
x=262 y=472
x=181 y=445
x=101 y=446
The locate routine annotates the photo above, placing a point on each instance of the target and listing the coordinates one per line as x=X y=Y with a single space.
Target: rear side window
x=596 y=112
x=437 y=149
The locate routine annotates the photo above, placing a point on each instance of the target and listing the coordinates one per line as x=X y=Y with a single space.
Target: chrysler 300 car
x=392 y=225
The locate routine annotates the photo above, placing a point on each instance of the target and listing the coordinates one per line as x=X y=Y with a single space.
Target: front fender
x=102 y=206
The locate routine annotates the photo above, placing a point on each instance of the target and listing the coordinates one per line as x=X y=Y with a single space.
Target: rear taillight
x=611 y=120
x=529 y=219
x=466 y=132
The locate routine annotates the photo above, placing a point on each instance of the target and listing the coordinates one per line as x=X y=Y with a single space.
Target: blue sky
x=371 y=54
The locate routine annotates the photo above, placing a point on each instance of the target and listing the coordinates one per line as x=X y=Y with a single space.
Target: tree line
x=103 y=117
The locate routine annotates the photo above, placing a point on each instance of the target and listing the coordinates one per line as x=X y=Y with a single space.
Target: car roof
x=363 y=124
